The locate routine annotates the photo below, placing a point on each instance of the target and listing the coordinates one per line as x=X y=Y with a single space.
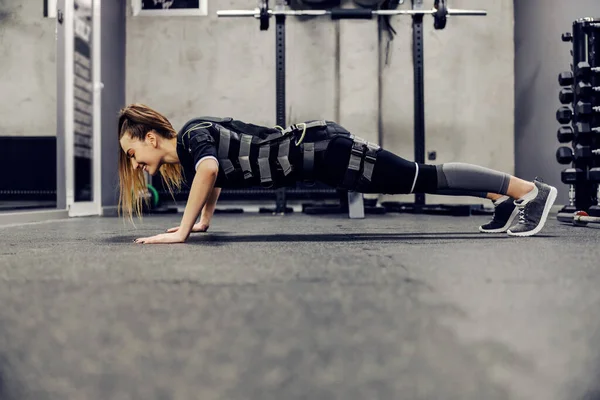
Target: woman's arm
x=200 y=197
x=209 y=208
x=201 y=190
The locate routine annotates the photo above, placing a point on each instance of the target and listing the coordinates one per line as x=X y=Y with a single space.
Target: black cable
x=387 y=24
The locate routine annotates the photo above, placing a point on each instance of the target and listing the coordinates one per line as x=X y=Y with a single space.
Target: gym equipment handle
x=239 y=13
x=582 y=218
x=345 y=13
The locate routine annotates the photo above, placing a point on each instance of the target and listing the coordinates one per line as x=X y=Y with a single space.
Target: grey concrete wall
x=27 y=70
x=469 y=78
x=113 y=96
x=190 y=66
x=540 y=57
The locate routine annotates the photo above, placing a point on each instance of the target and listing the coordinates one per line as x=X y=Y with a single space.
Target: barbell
x=440 y=11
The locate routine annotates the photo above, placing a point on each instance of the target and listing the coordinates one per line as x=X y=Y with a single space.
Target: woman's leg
x=533 y=200
x=395 y=175
x=461 y=176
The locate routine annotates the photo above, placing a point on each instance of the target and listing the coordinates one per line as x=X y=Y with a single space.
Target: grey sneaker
x=534 y=212
x=504 y=215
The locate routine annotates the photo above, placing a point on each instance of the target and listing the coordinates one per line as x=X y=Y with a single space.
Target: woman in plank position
x=214 y=153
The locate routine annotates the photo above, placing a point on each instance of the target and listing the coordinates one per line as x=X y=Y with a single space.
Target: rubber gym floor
x=394 y=306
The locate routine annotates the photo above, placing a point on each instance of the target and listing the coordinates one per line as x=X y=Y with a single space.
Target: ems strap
x=370 y=159
x=308 y=159
x=225 y=137
x=361 y=149
x=282 y=157
x=263 y=165
x=356 y=155
x=244 y=157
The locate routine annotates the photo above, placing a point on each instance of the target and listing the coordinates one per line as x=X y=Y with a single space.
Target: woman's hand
x=201 y=226
x=197 y=203
x=163 y=238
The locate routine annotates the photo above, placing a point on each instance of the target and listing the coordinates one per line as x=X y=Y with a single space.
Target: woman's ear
x=152 y=139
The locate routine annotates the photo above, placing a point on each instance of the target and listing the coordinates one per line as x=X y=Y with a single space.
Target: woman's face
x=145 y=155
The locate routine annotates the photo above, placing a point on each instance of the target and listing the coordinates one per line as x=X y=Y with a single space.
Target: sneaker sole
x=549 y=203
x=505 y=227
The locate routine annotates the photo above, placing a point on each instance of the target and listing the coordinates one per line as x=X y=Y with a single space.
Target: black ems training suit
x=250 y=155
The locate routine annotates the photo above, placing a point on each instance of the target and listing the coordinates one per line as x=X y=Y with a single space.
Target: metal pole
x=61 y=143
x=419 y=95
x=584 y=191
x=280 y=195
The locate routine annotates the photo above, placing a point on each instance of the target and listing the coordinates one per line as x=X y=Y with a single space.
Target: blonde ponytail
x=137 y=120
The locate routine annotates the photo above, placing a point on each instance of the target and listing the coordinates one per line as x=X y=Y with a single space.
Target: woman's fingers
x=174 y=229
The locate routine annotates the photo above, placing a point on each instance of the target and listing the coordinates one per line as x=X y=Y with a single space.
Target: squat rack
x=439 y=13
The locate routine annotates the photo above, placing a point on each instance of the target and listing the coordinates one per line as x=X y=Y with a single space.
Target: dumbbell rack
x=580 y=123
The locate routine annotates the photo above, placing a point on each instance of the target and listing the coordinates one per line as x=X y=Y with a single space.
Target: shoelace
x=522 y=212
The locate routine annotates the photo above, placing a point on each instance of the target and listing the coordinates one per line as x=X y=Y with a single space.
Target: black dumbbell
x=565 y=134
x=564 y=115
x=565 y=78
x=566 y=96
x=565 y=155
x=571 y=176
x=584 y=129
x=585 y=89
x=584 y=69
x=583 y=108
